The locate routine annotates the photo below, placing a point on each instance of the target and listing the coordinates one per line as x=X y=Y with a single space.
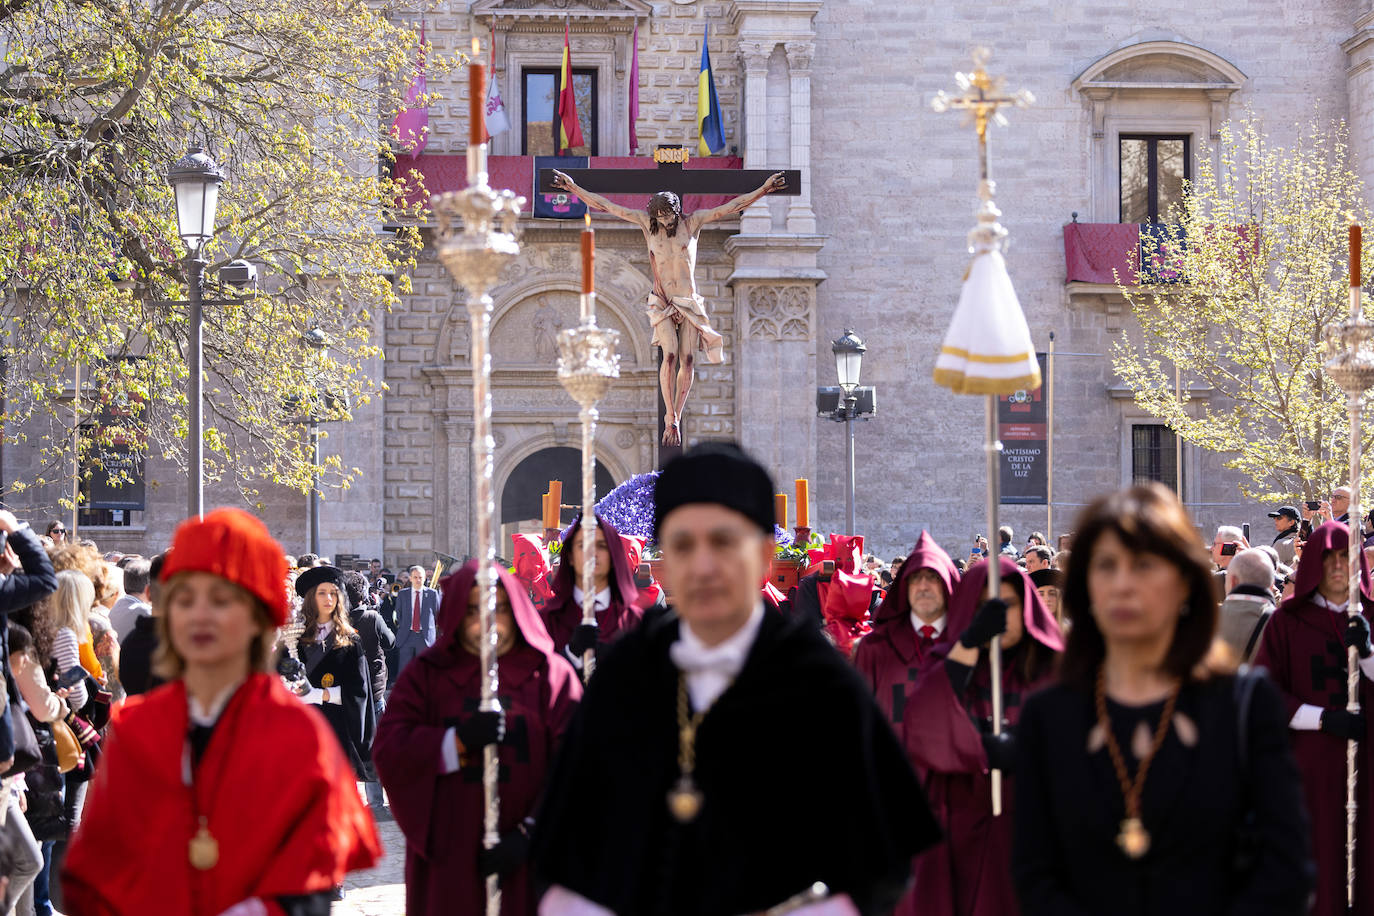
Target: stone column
x=801 y=219
x=754 y=55
x=1359 y=76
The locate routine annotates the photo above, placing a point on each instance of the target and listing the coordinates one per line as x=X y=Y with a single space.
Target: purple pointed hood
x=1329 y=536
x=454 y=607
x=972 y=592
x=926 y=555
x=622 y=578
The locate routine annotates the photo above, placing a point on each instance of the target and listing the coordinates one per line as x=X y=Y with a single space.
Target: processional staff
x=987 y=349
x=587 y=362
x=1352 y=367
x=476 y=255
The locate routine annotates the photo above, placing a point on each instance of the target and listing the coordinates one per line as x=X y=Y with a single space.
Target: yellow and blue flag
x=710 y=123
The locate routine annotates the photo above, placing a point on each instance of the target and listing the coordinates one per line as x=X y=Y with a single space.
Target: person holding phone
x=1286 y=524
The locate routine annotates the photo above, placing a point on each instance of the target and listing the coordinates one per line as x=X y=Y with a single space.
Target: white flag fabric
x=987 y=349
x=498 y=121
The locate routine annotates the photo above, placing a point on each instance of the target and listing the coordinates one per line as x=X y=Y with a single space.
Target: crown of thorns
x=665 y=200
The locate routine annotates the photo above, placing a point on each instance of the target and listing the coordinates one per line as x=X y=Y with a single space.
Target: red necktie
x=415 y=615
x=927 y=634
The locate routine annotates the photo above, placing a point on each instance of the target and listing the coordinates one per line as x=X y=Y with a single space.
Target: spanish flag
x=569 y=130
x=710 y=124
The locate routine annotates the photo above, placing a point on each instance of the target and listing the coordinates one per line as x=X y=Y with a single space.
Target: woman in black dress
x=1152 y=778
x=334 y=663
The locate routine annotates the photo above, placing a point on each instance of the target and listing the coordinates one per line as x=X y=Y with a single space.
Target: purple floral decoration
x=629 y=507
x=630 y=510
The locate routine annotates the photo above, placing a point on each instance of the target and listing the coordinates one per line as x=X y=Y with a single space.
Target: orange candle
x=555 y=503
x=588 y=257
x=780 y=509
x=545 y=517
x=1355 y=255
x=803 y=504
x=477 y=97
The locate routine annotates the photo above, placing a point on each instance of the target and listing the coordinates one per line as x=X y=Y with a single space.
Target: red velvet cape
x=280 y=798
x=969 y=874
x=1304 y=651
x=441 y=814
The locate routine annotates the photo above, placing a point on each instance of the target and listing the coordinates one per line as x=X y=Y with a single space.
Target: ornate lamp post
x=195 y=179
x=849 y=353
x=315 y=339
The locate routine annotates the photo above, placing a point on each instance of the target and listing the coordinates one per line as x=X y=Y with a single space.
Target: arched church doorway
x=521 y=509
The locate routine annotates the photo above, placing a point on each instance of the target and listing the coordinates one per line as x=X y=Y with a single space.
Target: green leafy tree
x=1236 y=292
x=97 y=99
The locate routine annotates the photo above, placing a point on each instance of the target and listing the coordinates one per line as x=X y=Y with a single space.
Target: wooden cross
x=669 y=176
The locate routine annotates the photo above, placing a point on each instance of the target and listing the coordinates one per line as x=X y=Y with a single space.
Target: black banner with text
x=1022 y=427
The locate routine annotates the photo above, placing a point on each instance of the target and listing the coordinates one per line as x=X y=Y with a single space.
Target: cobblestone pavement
x=381 y=891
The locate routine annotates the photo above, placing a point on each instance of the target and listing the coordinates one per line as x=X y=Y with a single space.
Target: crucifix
x=677 y=313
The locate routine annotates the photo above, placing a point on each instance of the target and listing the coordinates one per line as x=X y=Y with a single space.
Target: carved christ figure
x=677 y=313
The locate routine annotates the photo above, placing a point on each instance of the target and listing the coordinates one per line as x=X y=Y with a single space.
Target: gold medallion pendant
x=1133 y=839
x=203 y=849
x=685 y=800
x=327 y=681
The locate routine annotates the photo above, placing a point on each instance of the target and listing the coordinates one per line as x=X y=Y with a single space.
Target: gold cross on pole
x=982 y=95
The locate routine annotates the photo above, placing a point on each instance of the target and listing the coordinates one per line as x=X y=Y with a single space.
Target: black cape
x=353 y=719
x=803 y=782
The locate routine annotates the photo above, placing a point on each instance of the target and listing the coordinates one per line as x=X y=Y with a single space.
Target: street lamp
x=195 y=180
x=848 y=402
x=316 y=340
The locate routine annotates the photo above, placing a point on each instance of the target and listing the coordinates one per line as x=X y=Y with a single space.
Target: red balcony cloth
x=1093 y=250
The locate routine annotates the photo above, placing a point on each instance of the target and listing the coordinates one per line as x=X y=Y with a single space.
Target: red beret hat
x=233 y=545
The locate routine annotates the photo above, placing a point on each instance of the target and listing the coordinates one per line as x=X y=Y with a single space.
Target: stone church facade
x=875 y=242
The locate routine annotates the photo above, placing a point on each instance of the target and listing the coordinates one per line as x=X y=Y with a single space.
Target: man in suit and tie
x=417 y=608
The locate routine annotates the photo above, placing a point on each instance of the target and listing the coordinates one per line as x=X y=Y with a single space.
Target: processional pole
x=587 y=362
x=475 y=255
x=1352 y=367
x=987 y=349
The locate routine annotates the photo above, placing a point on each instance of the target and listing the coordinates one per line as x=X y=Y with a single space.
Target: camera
x=1229 y=550
x=1314 y=504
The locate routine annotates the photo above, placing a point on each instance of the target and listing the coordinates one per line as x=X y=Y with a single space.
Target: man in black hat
x=725 y=758
x=1286 y=521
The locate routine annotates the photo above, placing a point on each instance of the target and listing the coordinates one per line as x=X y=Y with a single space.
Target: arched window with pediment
x=1154 y=106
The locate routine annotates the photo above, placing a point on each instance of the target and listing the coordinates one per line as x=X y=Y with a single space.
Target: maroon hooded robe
x=441 y=814
x=1303 y=648
x=562 y=614
x=969 y=874
x=890 y=657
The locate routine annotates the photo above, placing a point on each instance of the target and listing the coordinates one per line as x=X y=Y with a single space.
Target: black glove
x=291 y=668
x=959 y=676
x=1343 y=724
x=1357 y=635
x=583 y=639
x=507 y=855
x=1001 y=751
x=989 y=623
x=481 y=729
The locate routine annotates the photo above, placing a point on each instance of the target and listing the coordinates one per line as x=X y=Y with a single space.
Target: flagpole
x=1049 y=445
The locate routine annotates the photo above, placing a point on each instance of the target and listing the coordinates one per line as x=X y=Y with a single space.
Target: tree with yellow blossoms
x=97 y=99
x=1236 y=292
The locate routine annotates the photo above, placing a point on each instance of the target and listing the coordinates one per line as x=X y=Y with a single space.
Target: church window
x=1154 y=455
x=1154 y=169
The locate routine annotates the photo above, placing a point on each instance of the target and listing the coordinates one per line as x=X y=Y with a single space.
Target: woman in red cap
x=221 y=791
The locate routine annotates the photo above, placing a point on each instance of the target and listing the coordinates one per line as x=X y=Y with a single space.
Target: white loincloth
x=693 y=311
